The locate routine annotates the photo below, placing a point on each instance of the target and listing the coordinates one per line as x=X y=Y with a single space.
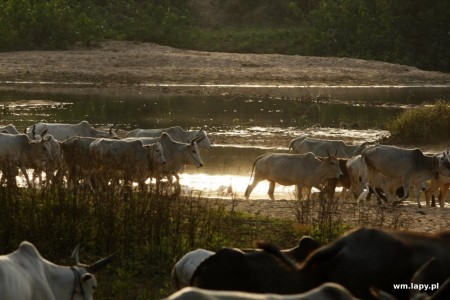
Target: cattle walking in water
x=63 y=132
x=302 y=170
x=408 y=167
x=26 y=275
x=321 y=147
x=177 y=134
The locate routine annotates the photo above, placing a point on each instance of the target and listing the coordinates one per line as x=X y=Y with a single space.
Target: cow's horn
x=44 y=132
x=100 y=264
x=418 y=276
x=33 y=131
x=75 y=255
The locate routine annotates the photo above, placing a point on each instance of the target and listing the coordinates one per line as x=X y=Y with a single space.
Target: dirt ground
x=144 y=66
x=150 y=68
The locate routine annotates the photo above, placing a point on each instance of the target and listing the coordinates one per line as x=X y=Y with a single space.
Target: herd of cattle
x=84 y=154
x=98 y=158
x=365 y=263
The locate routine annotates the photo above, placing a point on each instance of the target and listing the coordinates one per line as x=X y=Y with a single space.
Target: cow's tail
x=291 y=145
x=253 y=167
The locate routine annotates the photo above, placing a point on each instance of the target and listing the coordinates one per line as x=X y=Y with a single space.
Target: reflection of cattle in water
x=322 y=147
x=302 y=170
x=177 y=134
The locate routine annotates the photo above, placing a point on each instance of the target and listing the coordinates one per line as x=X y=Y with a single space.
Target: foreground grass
x=148 y=232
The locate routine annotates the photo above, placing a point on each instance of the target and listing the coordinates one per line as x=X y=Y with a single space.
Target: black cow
x=363 y=259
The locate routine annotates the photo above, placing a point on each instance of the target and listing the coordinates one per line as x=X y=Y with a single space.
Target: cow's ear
x=86 y=277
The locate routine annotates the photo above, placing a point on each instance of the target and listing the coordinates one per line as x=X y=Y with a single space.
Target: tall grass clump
x=148 y=232
x=426 y=124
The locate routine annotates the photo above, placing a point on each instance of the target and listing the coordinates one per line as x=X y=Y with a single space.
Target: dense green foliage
x=426 y=124
x=413 y=32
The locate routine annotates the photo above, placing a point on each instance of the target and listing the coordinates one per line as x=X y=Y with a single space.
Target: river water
x=241 y=127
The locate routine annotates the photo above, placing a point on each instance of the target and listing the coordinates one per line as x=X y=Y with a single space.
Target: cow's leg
x=443 y=194
x=308 y=192
x=271 y=190
x=27 y=178
x=434 y=186
x=405 y=186
x=299 y=191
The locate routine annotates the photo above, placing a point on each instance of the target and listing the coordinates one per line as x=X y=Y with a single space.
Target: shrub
x=426 y=124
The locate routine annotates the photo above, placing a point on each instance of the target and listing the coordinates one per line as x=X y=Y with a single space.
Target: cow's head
x=194 y=154
x=444 y=163
x=85 y=282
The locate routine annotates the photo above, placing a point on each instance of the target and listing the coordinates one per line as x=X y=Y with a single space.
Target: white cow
x=327 y=291
x=303 y=170
x=177 y=133
x=10 y=128
x=26 y=275
x=182 y=271
x=404 y=167
x=360 y=177
x=130 y=159
x=18 y=151
x=321 y=147
x=62 y=132
x=77 y=162
x=177 y=154
x=53 y=166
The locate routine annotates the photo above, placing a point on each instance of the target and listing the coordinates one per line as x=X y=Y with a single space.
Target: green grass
x=423 y=125
x=148 y=232
x=246 y=39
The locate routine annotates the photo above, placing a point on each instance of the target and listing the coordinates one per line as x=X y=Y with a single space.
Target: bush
x=426 y=124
